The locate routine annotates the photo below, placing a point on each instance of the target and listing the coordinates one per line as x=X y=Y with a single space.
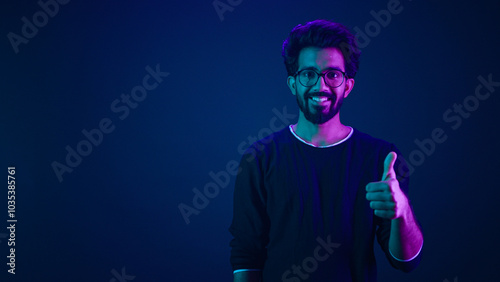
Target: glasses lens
x=308 y=77
x=334 y=78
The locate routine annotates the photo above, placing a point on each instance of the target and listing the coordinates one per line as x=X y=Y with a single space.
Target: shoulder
x=274 y=140
x=369 y=147
x=270 y=145
x=366 y=140
x=376 y=149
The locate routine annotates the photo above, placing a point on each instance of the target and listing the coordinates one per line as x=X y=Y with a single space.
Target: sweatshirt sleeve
x=250 y=224
x=384 y=225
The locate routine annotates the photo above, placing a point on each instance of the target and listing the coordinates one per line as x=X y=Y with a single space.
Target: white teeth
x=319 y=99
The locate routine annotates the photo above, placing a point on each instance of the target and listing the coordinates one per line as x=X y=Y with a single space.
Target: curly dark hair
x=321 y=34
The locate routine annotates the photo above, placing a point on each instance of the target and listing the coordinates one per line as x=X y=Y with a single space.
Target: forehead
x=321 y=58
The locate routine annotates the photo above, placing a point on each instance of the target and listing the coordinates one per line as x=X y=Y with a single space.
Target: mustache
x=322 y=94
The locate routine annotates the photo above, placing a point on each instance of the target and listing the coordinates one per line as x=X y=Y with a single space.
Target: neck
x=324 y=134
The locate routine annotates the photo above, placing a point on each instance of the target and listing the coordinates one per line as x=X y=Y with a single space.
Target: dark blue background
x=119 y=207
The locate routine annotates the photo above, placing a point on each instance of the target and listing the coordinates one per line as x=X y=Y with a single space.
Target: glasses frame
x=320 y=74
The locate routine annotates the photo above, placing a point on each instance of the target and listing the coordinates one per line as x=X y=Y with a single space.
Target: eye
x=309 y=74
x=334 y=74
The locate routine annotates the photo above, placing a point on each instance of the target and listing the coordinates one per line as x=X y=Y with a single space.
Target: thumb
x=389 y=166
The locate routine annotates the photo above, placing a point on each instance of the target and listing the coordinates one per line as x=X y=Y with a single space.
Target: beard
x=319 y=114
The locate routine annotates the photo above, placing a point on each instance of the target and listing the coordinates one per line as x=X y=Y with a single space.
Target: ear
x=291 y=84
x=349 y=84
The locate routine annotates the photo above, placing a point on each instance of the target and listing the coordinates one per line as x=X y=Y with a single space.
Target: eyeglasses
x=308 y=77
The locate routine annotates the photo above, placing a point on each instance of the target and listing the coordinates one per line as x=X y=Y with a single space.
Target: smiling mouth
x=319 y=99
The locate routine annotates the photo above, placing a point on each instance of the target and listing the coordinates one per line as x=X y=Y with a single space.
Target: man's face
x=320 y=103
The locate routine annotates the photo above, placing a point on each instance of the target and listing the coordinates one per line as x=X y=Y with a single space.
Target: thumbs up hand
x=385 y=196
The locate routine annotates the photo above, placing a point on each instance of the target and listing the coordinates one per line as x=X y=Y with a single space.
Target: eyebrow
x=328 y=68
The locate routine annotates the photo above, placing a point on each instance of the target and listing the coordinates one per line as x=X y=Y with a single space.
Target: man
x=309 y=199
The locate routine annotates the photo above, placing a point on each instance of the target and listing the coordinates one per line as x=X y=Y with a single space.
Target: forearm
x=248 y=276
x=406 y=238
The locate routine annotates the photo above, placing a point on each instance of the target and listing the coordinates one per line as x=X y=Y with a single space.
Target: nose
x=321 y=85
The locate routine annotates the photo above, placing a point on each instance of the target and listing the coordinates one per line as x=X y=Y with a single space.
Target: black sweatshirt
x=300 y=212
